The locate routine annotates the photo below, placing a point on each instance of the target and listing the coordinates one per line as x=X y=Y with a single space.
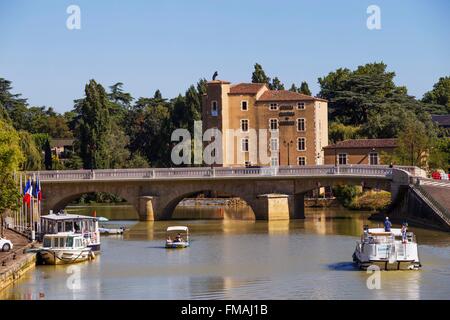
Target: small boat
x=64 y=248
x=108 y=231
x=102 y=219
x=178 y=241
x=388 y=250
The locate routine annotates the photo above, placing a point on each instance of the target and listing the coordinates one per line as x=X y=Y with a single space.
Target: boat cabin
x=87 y=227
x=63 y=240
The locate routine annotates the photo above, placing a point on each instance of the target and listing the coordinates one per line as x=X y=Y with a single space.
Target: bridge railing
x=433 y=182
x=199 y=172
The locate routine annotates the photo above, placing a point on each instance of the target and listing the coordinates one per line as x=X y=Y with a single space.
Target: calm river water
x=232 y=259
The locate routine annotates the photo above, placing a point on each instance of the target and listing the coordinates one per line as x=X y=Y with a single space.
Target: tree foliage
x=304 y=88
x=11 y=158
x=439 y=95
x=93 y=126
x=259 y=76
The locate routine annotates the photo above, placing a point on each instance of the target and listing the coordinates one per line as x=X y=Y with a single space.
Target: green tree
x=137 y=161
x=93 y=126
x=118 y=96
x=117 y=152
x=158 y=95
x=276 y=84
x=352 y=94
x=440 y=95
x=13 y=104
x=11 y=158
x=259 y=76
x=149 y=128
x=340 y=132
x=33 y=156
x=293 y=88
x=304 y=88
x=415 y=144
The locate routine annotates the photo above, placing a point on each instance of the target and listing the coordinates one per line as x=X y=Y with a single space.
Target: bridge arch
x=170 y=205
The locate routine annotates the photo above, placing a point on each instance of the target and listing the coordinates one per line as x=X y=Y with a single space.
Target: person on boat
x=387 y=225
x=178 y=238
x=404 y=231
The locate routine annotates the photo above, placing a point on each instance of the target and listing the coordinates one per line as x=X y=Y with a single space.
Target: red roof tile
x=364 y=143
x=284 y=95
x=246 y=88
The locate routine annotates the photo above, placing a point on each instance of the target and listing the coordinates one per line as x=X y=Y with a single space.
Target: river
x=239 y=259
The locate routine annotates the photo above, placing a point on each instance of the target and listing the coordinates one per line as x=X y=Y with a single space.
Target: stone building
x=296 y=124
x=359 y=151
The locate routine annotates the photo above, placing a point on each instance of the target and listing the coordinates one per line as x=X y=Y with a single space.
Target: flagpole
x=19 y=220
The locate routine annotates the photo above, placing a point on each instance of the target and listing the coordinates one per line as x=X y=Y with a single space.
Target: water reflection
x=242 y=259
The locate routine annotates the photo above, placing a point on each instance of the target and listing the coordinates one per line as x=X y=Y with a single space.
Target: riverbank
x=14 y=264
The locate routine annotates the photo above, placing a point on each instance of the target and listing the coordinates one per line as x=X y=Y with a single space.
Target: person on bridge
x=387 y=225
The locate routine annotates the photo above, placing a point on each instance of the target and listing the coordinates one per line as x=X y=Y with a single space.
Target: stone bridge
x=273 y=193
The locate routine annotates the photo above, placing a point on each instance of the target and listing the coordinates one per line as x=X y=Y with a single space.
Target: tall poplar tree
x=93 y=126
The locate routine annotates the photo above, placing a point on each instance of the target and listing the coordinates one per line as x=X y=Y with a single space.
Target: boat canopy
x=66 y=216
x=177 y=228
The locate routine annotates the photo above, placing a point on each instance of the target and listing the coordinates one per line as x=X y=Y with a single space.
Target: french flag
x=37 y=193
x=28 y=192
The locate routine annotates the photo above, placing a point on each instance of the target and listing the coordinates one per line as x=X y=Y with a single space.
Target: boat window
x=68 y=226
x=62 y=242
x=69 y=242
x=47 y=242
x=60 y=226
x=77 y=227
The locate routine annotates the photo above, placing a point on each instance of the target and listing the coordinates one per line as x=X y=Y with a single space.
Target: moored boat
x=64 y=248
x=62 y=222
x=111 y=231
x=388 y=250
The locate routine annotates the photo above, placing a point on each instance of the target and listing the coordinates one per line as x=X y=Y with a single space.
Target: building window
x=214 y=108
x=301 y=106
x=273 y=106
x=244 y=145
x=301 y=161
x=301 y=124
x=244 y=125
x=342 y=158
x=274 y=161
x=273 y=144
x=244 y=105
x=301 y=144
x=373 y=158
x=273 y=124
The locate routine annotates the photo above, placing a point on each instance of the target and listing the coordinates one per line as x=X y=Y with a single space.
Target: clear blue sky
x=170 y=44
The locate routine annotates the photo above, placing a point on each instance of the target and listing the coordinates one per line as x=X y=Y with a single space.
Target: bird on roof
x=215 y=75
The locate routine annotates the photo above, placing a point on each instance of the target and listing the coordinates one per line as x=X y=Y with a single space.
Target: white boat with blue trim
x=64 y=248
x=395 y=249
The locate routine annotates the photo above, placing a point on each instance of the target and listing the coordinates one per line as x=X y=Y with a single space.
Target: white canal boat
x=85 y=226
x=180 y=240
x=388 y=250
x=64 y=248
